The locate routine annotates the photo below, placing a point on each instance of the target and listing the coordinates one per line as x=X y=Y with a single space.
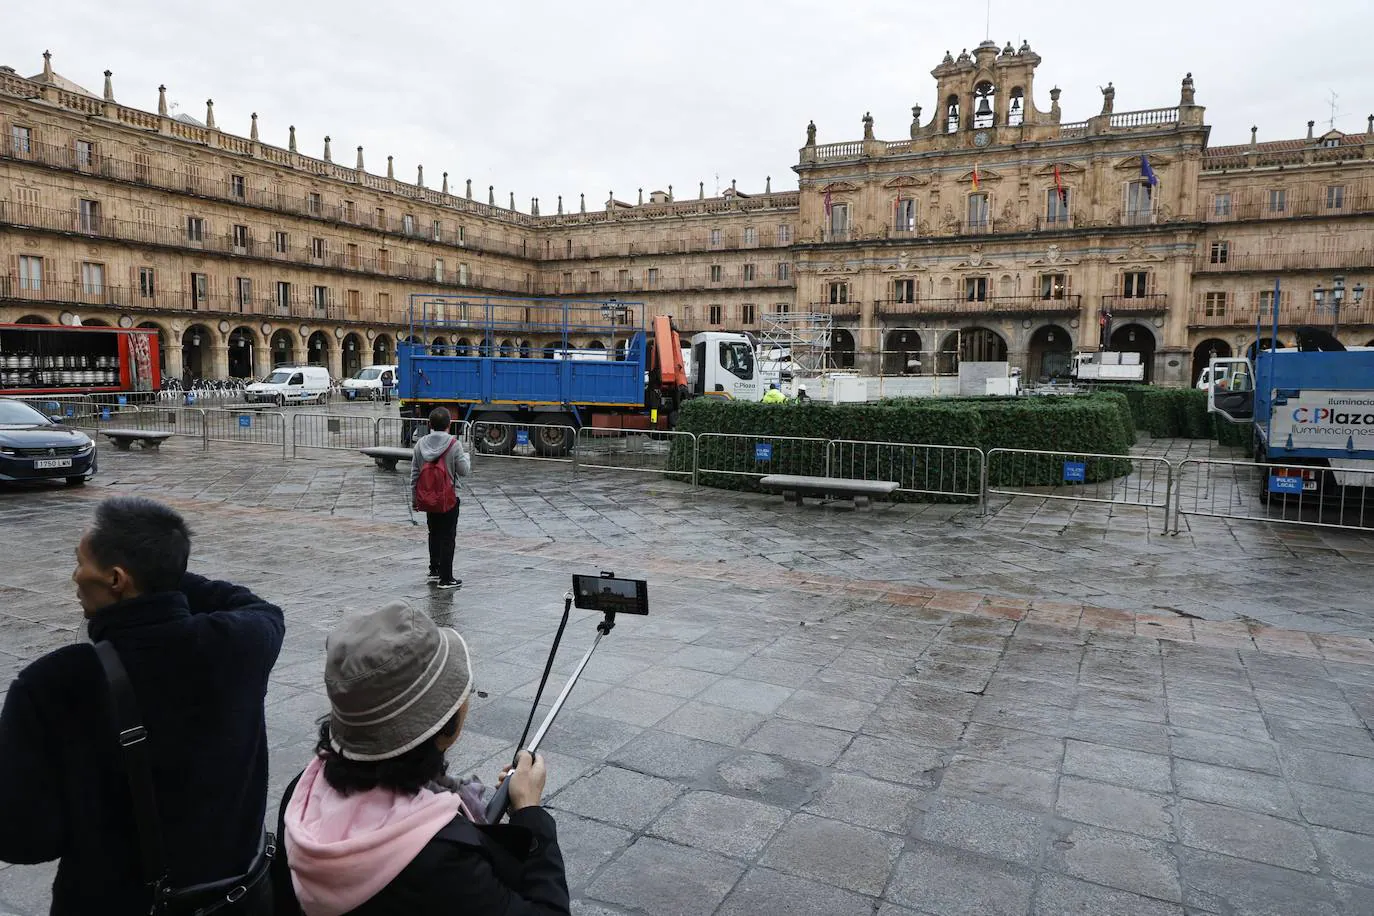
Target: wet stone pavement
x=1052 y=709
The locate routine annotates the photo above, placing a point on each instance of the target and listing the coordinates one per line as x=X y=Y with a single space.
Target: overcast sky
x=545 y=98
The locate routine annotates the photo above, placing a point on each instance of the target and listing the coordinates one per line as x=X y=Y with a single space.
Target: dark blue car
x=33 y=447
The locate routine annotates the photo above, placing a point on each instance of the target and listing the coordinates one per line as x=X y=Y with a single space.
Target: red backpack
x=434 y=488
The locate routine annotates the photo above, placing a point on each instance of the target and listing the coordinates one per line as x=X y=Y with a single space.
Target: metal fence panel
x=748 y=456
x=74 y=409
x=531 y=441
x=1082 y=477
x=1334 y=498
x=672 y=454
x=403 y=431
x=932 y=470
x=346 y=432
x=247 y=427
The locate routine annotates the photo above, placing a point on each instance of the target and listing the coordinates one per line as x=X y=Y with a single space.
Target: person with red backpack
x=440 y=459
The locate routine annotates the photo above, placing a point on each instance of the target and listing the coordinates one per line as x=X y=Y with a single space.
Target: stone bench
x=387 y=456
x=795 y=488
x=124 y=438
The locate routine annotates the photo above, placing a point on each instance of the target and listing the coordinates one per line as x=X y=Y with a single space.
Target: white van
x=1204 y=381
x=369 y=381
x=291 y=385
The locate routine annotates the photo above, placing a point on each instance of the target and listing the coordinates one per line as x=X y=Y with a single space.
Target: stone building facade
x=994 y=230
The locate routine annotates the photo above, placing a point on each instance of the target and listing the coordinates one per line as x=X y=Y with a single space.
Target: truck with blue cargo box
x=1310 y=407
x=558 y=365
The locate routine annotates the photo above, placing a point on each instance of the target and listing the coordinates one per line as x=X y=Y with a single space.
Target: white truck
x=1107 y=366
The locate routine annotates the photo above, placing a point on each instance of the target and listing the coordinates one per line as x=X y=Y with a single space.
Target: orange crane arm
x=668 y=355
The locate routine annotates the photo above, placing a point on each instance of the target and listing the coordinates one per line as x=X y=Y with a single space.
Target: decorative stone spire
x=583 y=195
x=512 y=200
x=328 y=153
x=670 y=193
x=701 y=190
x=210 y=113
x=491 y=195
x=444 y=189
x=641 y=197
x=419 y=176
x=1254 y=136
x=1310 y=125
x=390 y=167
x=359 y=166
x=733 y=189
x=915 y=120
x=161 y=100
x=560 y=204
x=768 y=184
x=469 y=189
x=1054 y=103
x=253 y=131
x=109 y=86
x=291 y=138
x=47 y=66
x=1369 y=125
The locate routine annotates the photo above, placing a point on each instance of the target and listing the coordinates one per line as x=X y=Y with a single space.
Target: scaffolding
x=804 y=338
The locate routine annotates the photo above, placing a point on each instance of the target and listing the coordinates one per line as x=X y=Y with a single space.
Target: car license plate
x=43 y=463
x=1309 y=485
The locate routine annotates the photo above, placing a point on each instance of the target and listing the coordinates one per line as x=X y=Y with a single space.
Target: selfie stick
x=501 y=800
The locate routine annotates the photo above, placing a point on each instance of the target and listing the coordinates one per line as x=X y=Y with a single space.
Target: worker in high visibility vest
x=773 y=395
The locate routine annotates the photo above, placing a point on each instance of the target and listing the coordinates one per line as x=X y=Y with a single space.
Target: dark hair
x=440 y=418
x=406 y=774
x=149 y=540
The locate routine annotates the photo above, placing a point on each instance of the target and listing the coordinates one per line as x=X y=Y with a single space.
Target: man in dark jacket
x=198 y=654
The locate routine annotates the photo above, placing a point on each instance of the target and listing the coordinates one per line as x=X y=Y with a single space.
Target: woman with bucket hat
x=374 y=825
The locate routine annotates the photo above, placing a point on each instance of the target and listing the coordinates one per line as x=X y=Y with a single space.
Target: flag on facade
x=1151 y=179
x=1059 y=186
x=975 y=176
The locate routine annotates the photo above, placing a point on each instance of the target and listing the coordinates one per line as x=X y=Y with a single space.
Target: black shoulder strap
x=133 y=740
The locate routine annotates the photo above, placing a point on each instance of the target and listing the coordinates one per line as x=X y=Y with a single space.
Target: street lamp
x=1335 y=298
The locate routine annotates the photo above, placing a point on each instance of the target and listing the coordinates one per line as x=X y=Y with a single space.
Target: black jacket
x=513 y=869
x=198 y=660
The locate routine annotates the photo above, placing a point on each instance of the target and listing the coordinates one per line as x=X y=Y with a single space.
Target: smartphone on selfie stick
x=609 y=596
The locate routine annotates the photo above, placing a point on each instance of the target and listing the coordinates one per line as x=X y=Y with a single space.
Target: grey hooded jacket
x=430 y=447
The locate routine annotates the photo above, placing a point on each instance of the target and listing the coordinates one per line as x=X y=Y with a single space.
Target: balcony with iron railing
x=958 y=307
x=1295 y=204
x=1144 y=304
x=850 y=309
x=105 y=228
x=1233 y=315
x=1340 y=259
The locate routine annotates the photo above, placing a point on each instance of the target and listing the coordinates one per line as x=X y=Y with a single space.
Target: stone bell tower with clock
x=987 y=98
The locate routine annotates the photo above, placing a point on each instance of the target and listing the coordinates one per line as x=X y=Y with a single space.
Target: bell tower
x=987 y=96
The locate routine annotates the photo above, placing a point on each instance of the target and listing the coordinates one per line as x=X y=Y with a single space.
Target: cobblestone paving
x=1052 y=709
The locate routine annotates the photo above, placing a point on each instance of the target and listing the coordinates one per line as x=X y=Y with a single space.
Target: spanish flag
x=975 y=176
x=1059 y=186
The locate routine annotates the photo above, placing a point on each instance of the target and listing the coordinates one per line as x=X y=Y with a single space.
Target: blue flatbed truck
x=1311 y=410
x=548 y=367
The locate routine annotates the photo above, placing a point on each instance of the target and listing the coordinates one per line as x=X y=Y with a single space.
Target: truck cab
x=723 y=366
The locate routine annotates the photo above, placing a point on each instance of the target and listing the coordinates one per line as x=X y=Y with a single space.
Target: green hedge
x=1098 y=423
x=1178 y=413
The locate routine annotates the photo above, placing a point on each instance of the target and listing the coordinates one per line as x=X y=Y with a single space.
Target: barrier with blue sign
x=122 y=400
x=763 y=451
x=522 y=437
x=245 y=420
x=104 y=413
x=1284 y=484
x=1075 y=471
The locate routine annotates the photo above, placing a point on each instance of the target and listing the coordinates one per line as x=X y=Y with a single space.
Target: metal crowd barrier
x=932 y=470
x=343 y=432
x=670 y=453
x=738 y=455
x=1219 y=488
x=247 y=427
x=1124 y=480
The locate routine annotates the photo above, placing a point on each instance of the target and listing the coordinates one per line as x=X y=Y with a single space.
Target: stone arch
x=526 y=349
x=33 y=319
x=551 y=348
x=243 y=343
x=507 y=347
x=981 y=345
x=1048 y=352
x=382 y=350
x=1134 y=337
x=622 y=348
x=595 y=345
x=1205 y=352
x=317 y=349
x=352 y=354
x=984 y=104
x=1369 y=343
x=842 y=348
x=487 y=347
x=438 y=345
x=902 y=352
x=1016 y=107
x=161 y=345
x=1265 y=343
x=94 y=323
x=283 y=346
x=196 y=342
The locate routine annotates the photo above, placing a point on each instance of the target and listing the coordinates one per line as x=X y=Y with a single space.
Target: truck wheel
x=1263 y=477
x=554 y=441
x=491 y=439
